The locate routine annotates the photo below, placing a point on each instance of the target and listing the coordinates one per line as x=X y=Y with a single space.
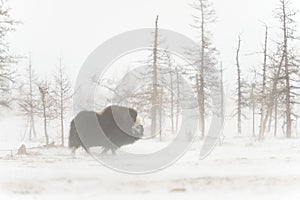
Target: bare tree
x=242 y=92
x=253 y=106
x=222 y=102
x=47 y=106
x=161 y=103
x=286 y=66
x=206 y=56
x=263 y=91
x=222 y=112
x=150 y=96
x=286 y=15
x=178 y=97
x=7 y=75
x=28 y=100
x=174 y=71
x=273 y=94
x=63 y=94
x=155 y=90
x=239 y=88
x=172 y=88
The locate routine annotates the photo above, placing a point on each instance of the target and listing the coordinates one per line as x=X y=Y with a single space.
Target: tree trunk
x=253 y=110
x=45 y=119
x=275 y=115
x=155 y=92
x=61 y=104
x=201 y=107
x=287 y=75
x=31 y=124
x=178 y=98
x=172 y=101
x=262 y=108
x=201 y=83
x=222 y=95
x=160 y=113
x=273 y=95
x=239 y=102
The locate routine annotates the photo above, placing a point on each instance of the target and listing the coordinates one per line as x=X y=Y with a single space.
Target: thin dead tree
x=286 y=67
x=263 y=91
x=222 y=111
x=204 y=17
x=28 y=101
x=174 y=83
x=172 y=106
x=63 y=93
x=178 y=98
x=273 y=96
x=161 y=102
x=286 y=15
x=31 y=106
x=253 y=102
x=47 y=108
x=222 y=92
x=239 y=88
x=7 y=75
x=155 y=81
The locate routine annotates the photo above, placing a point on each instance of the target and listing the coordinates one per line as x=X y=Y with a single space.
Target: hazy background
x=74 y=28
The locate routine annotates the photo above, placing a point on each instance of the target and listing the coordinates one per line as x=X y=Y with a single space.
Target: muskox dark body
x=110 y=129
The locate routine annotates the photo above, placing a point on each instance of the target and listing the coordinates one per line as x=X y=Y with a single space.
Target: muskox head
x=138 y=130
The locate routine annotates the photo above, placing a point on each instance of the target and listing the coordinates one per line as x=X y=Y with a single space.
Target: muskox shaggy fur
x=114 y=127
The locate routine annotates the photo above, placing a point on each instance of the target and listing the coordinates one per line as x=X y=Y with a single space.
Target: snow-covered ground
x=239 y=169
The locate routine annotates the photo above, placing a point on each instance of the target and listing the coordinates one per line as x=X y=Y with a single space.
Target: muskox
x=114 y=127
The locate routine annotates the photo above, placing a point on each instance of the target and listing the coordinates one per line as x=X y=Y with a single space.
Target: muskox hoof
x=73 y=153
x=113 y=152
x=104 y=152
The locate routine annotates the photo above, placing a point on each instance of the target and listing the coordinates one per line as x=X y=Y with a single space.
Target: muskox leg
x=74 y=151
x=86 y=150
x=74 y=140
x=113 y=151
x=104 y=152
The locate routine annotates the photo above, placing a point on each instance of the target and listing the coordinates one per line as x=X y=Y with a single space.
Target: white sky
x=76 y=27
